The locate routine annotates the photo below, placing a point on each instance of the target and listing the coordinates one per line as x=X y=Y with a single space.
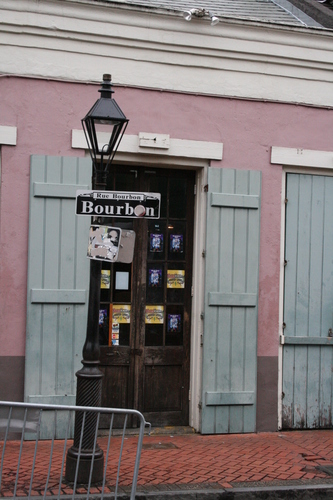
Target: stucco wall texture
x=45 y=112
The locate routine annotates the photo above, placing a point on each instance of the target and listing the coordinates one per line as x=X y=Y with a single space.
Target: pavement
x=294 y=464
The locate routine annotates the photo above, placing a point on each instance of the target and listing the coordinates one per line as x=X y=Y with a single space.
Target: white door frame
x=181 y=154
x=300 y=161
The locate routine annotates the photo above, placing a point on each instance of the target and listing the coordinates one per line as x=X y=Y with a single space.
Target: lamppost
x=104 y=126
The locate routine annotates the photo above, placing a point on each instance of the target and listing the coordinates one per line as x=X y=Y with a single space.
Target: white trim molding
x=156 y=49
x=8 y=135
x=180 y=148
x=299 y=157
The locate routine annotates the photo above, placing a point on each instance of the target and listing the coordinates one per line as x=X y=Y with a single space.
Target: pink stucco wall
x=45 y=112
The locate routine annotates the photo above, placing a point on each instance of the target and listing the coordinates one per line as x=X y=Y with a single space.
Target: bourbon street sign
x=118 y=204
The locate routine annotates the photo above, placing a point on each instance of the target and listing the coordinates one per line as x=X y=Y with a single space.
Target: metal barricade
x=31 y=466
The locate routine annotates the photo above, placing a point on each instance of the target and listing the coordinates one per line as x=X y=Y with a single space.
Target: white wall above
x=72 y=40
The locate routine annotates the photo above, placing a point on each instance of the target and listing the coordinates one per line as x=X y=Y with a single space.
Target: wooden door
x=146 y=306
x=308 y=298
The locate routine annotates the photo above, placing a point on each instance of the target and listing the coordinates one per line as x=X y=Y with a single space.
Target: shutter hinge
x=201 y=340
x=189 y=395
x=200 y=405
x=195 y=189
x=285 y=262
x=203 y=253
x=192 y=291
x=202 y=315
x=284 y=325
x=286 y=200
x=205 y=188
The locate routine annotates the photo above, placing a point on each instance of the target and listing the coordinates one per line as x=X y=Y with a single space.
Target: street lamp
x=104 y=126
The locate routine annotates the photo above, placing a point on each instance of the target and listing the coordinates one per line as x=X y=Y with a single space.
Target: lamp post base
x=89 y=393
x=84 y=466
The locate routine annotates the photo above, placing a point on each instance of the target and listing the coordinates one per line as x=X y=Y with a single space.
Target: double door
x=145 y=308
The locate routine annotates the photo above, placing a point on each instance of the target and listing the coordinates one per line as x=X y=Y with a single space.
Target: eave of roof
x=281 y=12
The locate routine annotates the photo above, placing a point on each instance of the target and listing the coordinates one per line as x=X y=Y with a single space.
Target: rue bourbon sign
x=118 y=204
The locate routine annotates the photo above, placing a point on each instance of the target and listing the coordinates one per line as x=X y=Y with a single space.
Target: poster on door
x=121 y=313
x=105 y=278
x=176 y=243
x=114 y=334
x=154 y=315
x=156 y=242
x=175 y=278
x=174 y=323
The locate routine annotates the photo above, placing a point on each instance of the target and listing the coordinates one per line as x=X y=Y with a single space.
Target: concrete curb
x=300 y=492
x=306 y=492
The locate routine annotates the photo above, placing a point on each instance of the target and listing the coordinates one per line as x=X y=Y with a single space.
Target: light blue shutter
x=58 y=280
x=308 y=300
x=231 y=302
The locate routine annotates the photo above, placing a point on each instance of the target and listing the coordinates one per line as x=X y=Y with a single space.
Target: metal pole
x=89 y=381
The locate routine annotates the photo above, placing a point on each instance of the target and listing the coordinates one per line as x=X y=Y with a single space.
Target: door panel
x=308 y=298
x=149 y=302
x=58 y=279
x=231 y=302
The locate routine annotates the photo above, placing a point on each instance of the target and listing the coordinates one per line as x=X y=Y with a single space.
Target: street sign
x=118 y=204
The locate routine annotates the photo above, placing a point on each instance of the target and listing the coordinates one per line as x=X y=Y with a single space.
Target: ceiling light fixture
x=213 y=19
x=200 y=13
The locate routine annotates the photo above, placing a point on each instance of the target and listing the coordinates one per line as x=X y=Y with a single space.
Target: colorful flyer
x=105 y=278
x=154 y=315
x=103 y=314
x=155 y=278
x=174 y=323
x=121 y=313
x=115 y=341
x=115 y=336
x=175 y=278
x=115 y=328
x=176 y=243
x=156 y=242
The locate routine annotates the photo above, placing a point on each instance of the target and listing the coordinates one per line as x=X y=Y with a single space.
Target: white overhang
x=159 y=145
x=8 y=135
x=299 y=157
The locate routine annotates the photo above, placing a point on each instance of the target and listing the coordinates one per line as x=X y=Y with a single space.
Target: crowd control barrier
x=32 y=466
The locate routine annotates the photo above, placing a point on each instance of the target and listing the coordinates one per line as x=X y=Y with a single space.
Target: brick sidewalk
x=191 y=461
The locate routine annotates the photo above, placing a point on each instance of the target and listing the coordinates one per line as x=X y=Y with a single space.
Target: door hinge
x=189 y=395
x=192 y=291
x=195 y=189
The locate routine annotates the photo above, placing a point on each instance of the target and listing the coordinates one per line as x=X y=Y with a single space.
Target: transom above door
x=145 y=306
